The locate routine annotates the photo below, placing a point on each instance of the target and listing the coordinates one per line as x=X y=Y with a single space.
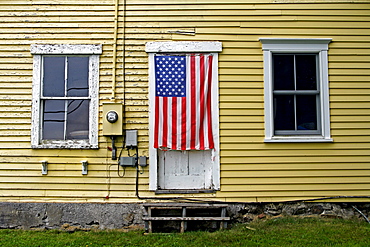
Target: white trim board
x=93 y=52
x=287 y=45
x=183 y=47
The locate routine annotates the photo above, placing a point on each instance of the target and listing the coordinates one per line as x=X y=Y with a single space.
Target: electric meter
x=112 y=116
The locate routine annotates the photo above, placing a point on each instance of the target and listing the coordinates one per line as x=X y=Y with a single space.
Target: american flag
x=183 y=118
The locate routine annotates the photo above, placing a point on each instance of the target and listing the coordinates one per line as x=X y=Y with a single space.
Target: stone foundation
x=87 y=216
x=250 y=212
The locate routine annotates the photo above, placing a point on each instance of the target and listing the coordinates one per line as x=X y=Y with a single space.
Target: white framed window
x=296 y=90
x=65 y=96
x=179 y=163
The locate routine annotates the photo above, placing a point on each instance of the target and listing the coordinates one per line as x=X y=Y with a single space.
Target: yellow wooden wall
x=251 y=170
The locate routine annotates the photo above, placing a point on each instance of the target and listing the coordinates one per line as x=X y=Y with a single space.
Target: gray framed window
x=296 y=90
x=65 y=96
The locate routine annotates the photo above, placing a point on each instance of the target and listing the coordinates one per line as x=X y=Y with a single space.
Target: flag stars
x=170 y=74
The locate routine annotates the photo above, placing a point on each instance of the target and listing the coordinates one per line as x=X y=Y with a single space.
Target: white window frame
x=317 y=46
x=152 y=48
x=93 y=52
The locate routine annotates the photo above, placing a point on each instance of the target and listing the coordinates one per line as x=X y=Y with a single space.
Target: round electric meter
x=112 y=116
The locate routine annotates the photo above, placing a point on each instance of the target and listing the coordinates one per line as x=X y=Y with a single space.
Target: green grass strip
x=273 y=232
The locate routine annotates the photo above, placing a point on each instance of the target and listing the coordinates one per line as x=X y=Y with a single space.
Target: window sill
x=61 y=146
x=184 y=191
x=298 y=139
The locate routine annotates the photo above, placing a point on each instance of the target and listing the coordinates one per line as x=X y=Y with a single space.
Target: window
x=65 y=96
x=296 y=90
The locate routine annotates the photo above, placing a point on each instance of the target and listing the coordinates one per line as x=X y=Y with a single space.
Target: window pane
x=78 y=76
x=53 y=127
x=283 y=66
x=53 y=78
x=306 y=112
x=78 y=119
x=306 y=72
x=284 y=112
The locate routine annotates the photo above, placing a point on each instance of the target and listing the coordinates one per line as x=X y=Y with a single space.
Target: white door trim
x=177 y=47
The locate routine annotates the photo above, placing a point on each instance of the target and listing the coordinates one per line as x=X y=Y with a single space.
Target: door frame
x=152 y=48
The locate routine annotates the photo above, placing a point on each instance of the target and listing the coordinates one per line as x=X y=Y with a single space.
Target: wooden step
x=153 y=209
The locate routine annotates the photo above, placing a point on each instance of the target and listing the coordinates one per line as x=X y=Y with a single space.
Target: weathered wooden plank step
x=194 y=205
x=186 y=218
x=165 y=208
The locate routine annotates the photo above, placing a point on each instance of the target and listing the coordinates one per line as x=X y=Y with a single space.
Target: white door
x=185 y=170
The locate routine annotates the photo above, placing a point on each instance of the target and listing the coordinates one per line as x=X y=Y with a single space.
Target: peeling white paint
x=48 y=49
x=39 y=51
x=184 y=46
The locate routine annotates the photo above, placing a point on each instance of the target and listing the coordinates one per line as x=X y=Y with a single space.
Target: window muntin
x=65 y=96
x=296 y=98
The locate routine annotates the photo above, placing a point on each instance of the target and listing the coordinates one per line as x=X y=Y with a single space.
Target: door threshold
x=183 y=191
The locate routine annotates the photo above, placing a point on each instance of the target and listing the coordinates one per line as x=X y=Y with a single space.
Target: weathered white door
x=185 y=170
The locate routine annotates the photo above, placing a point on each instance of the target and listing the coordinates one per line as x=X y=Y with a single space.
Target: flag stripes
x=183 y=119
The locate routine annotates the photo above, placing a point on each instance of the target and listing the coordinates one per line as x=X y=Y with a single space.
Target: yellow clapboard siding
x=292 y=153
x=144 y=2
x=293 y=160
x=293 y=181
x=56 y=170
x=349 y=92
x=70 y=187
x=307 y=25
x=297 y=187
x=353 y=105
x=241 y=98
x=251 y=170
x=279 y=31
x=262 y=18
x=287 y=194
x=354 y=71
x=296 y=198
x=64 y=193
x=103 y=182
x=290 y=146
x=237 y=5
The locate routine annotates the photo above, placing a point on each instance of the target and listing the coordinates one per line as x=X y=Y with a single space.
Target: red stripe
x=183 y=123
x=209 y=109
x=176 y=119
x=174 y=123
x=201 y=103
x=165 y=122
x=192 y=97
x=156 y=121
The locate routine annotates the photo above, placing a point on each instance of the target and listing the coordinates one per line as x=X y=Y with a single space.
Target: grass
x=273 y=232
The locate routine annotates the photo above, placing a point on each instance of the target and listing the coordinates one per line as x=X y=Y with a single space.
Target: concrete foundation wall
x=70 y=216
x=86 y=216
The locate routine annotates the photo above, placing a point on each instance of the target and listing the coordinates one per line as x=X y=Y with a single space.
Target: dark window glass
x=296 y=93
x=78 y=119
x=283 y=69
x=54 y=114
x=306 y=113
x=306 y=72
x=78 y=76
x=57 y=123
x=284 y=112
x=54 y=74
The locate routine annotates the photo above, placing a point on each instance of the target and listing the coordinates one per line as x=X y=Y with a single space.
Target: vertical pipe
x=123 y=100
x=114 y=51
x=123 y=55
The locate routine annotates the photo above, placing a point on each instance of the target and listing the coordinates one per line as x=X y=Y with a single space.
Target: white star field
x=170 y=76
